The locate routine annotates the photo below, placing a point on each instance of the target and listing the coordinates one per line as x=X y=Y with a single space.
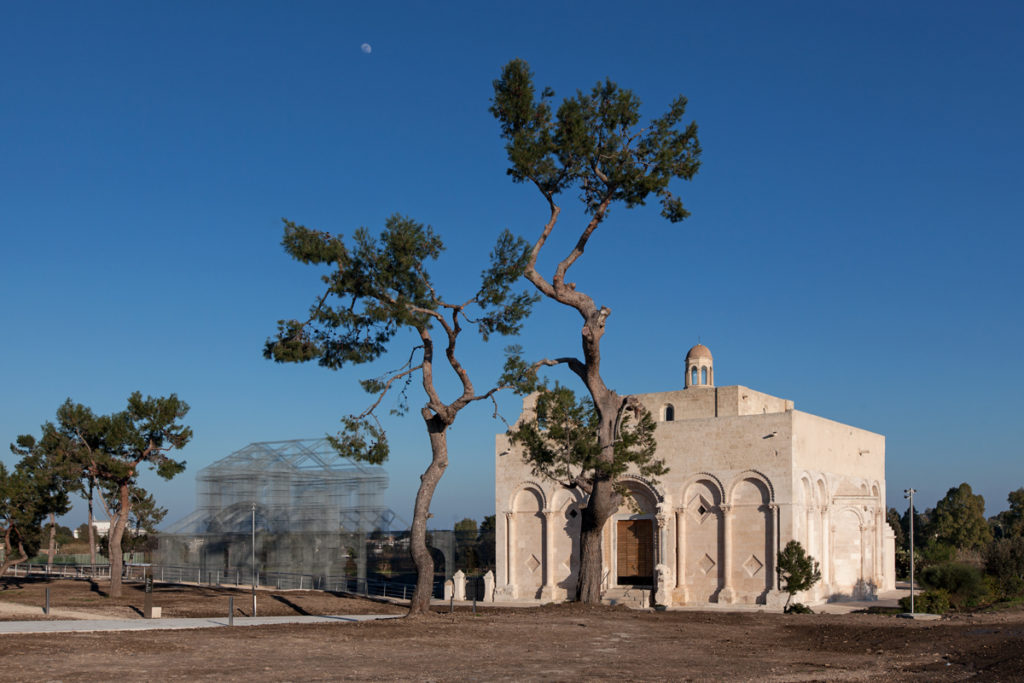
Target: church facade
x=747 y=473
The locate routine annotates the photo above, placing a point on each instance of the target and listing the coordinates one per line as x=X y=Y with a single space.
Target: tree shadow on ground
x=289 y=603
x=95 y=588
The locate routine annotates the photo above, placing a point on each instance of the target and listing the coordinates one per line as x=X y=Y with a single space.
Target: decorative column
x=680 y=593
x=878 y=547
x=863 y=553
x=776 y=540
x=659 y=539
x=548 y=591
x=826 y=539
x=727 y=594
x=510 y=552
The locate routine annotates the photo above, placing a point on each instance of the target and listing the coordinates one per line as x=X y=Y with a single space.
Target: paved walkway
x=85 y=625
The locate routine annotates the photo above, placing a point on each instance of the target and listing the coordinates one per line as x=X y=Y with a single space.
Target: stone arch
x=633 y=535
x=700 y=543
x=565 y=550
x=847 y=549
x=713 y=482
x=531 y=486
x=752 y=476
x=668 y=413
x=529 y=540
x=822 y=491
x=751 y=565
x=644 y=485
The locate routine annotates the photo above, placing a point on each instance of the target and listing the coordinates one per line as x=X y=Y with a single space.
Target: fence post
x=231 y=610
x=46 y=609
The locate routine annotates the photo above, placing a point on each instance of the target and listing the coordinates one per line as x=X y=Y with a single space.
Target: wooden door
x=635 y=556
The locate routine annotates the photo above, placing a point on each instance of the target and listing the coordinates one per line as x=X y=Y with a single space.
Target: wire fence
x=240 y=577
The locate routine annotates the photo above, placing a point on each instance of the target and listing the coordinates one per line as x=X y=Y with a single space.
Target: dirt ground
x=558 y=642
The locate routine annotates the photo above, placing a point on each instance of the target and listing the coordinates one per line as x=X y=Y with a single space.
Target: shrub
x=798 y=608
x=1004 y=560
x=963 y=583
x=930 y=602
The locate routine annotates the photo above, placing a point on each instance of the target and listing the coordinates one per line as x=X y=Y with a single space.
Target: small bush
x=798 y=608
x=930 y=602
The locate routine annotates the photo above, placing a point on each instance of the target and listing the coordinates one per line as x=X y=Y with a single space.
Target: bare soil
x=558 y=642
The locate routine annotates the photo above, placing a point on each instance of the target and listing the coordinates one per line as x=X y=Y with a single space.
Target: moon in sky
x=366 y=47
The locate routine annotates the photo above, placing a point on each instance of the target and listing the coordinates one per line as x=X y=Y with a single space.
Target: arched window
x=693 y=375
x=703 y=375
x=670 y=413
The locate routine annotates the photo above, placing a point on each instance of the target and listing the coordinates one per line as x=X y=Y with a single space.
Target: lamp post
x=253 y=569
x=909 y=493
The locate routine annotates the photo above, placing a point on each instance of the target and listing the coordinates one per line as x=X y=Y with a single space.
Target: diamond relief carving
x=752 y=566
x=533 y=563
x=706 y=564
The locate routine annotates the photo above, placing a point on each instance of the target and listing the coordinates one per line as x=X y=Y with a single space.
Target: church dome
x=698 y=351
x=700 y=368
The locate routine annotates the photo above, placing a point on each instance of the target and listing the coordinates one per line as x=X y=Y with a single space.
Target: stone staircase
x=634 y=597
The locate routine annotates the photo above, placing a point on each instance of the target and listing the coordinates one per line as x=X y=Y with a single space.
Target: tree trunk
x=603 y=500
x=9 y=559
x=436 y=429
x=92 y=537
x=600 y=507
x=51 y=549
x=117 y=528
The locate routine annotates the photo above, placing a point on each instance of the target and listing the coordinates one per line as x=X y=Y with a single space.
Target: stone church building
x=747 y=473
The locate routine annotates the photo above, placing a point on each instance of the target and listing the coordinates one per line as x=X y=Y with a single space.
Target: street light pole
x=909 y=493
x=253 y=568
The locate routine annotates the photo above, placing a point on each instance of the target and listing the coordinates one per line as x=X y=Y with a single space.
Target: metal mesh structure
x=301 y=485
x=311 y=508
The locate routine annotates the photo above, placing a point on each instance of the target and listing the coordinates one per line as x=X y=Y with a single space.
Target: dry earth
x=560 y=642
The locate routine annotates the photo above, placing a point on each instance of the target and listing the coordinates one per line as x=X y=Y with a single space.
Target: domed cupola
x=700 y=370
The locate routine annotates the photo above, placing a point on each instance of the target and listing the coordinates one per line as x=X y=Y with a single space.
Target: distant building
x=748 y=473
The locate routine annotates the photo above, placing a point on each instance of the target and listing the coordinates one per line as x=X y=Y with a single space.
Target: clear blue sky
x=854 y=244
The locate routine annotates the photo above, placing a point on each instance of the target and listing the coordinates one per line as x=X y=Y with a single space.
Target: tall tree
x=376 y=289
x=959 y=520
x=52 y=483
x=114 y=448
x=77 y=435
x=1010 y=522
x=21 y=512
x=594 y=145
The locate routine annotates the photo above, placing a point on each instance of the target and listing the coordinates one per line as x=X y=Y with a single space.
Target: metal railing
x=238 y=577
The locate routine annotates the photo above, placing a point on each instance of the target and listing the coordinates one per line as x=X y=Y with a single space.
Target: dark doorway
x=635 y=552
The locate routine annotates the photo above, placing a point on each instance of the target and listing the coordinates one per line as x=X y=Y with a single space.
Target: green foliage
x=929 y=602
x=21 y=512
x=934 y=553
x=959 y=520
x=561 y=444
x=963 y=583
x=1004 y=560
x=376 y=288
x=797 y=570
x=594 y=143
x=50 y=476
x=1010 y=522
x=466 y=526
